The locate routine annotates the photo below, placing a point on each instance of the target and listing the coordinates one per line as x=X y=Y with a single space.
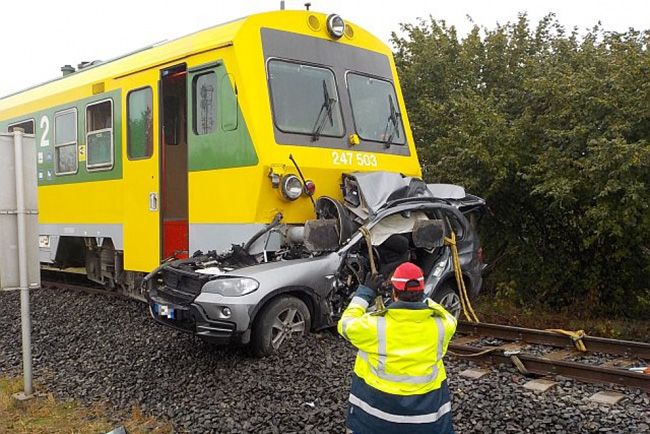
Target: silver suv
x=290 y=279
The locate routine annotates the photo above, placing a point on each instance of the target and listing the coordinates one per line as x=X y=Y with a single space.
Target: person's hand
x=368 y=290
x=374 y=281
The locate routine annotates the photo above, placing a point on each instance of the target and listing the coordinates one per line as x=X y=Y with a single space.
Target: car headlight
x=291 y=187
x=232 y=287
x=335 y=26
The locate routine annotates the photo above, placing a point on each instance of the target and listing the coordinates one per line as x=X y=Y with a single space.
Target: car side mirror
x=429 y=234
x=322 y=235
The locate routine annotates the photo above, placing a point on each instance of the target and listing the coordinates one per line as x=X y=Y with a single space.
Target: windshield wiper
x=392 y=127
x=320 y=119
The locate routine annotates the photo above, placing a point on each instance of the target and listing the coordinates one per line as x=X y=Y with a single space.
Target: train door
x=173 y=164
x=141 y=180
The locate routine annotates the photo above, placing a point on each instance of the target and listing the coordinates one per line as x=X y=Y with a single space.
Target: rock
x=103 y=349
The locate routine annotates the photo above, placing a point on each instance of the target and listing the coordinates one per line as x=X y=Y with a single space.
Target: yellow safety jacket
x=399 y=382
x=401 y=348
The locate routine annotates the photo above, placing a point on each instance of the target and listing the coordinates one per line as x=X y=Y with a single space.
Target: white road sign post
x=19 y=262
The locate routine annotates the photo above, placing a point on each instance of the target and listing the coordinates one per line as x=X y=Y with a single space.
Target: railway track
x=81 y=287
x=79 y=282
x=541 y=352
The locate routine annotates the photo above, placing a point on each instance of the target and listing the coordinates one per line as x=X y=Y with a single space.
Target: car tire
x=448 y=297
x=282 y=319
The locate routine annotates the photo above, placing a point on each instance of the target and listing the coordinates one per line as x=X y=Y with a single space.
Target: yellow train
x=198 y=143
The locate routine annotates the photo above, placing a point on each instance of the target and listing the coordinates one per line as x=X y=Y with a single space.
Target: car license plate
x=164 y=310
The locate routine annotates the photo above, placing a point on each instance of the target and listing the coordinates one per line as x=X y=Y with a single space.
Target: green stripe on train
x=45 y=132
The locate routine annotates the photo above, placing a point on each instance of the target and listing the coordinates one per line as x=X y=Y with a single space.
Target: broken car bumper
x=194 y=318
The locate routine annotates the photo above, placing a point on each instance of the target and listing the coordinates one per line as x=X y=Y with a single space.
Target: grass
x=493 y=308
x=44 y=414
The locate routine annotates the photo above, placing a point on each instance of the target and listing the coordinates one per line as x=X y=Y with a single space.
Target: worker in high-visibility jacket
x=399 y=381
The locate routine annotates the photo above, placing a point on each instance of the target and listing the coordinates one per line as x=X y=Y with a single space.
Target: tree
x=553 y=130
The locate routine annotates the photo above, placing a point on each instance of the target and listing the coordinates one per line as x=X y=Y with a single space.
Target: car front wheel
x=283 y=319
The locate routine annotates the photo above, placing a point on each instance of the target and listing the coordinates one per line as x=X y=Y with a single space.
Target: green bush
x=552 y=128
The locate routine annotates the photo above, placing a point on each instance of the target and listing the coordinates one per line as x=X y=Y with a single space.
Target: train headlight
x=232 y=287
x=335 y=26
x=291 y=187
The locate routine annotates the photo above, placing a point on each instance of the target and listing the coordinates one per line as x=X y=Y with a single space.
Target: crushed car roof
x=376 y=189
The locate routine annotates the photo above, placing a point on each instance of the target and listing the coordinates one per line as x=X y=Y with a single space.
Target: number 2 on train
x=45 y=125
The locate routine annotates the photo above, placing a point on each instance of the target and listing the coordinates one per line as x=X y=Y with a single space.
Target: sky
x=39 y=37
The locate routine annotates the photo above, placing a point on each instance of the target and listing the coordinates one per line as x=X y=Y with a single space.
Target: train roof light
x=335 y=26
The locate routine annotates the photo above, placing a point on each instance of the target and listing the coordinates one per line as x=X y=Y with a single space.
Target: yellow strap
x=465 y=303
x=576 y=337
x=479 y=354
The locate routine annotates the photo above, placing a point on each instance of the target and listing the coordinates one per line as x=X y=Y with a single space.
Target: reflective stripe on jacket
x=400 y=355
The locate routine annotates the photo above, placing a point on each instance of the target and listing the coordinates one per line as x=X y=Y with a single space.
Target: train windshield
x=375 y=109
x=305 y=100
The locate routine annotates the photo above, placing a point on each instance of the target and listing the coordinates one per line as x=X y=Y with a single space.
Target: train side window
x=27 y=126
x=65 y=142
x=99 y=135
x=204 y=103
x=139 y=139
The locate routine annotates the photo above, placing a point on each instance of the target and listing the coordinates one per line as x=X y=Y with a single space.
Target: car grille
x=180 y=286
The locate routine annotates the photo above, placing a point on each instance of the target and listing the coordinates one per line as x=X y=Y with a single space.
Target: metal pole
x=25 y=316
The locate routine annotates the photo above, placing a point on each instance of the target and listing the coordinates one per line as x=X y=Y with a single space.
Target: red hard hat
x=408 y=277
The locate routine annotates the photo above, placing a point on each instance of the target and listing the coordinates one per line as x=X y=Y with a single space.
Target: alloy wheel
x=451 y=302
x=288 y=323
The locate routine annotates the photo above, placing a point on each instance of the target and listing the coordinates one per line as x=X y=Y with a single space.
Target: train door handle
x=153 y=201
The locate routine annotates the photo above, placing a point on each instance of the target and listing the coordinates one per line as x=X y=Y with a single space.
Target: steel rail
x=85 y=287
x=79 y=282
x=640 y=350
x=75 y=287
x=543 y=366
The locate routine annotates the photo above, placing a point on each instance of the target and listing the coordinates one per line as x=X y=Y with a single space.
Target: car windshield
x=374 y=106
x=304 y=99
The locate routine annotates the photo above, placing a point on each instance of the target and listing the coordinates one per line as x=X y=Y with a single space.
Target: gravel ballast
x=102 y=349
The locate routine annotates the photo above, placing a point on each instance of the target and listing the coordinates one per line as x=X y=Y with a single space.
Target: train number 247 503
x=349 y=158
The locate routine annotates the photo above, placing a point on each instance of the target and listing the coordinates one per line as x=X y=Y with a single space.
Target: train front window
x=375 y=109
x=304 y=99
